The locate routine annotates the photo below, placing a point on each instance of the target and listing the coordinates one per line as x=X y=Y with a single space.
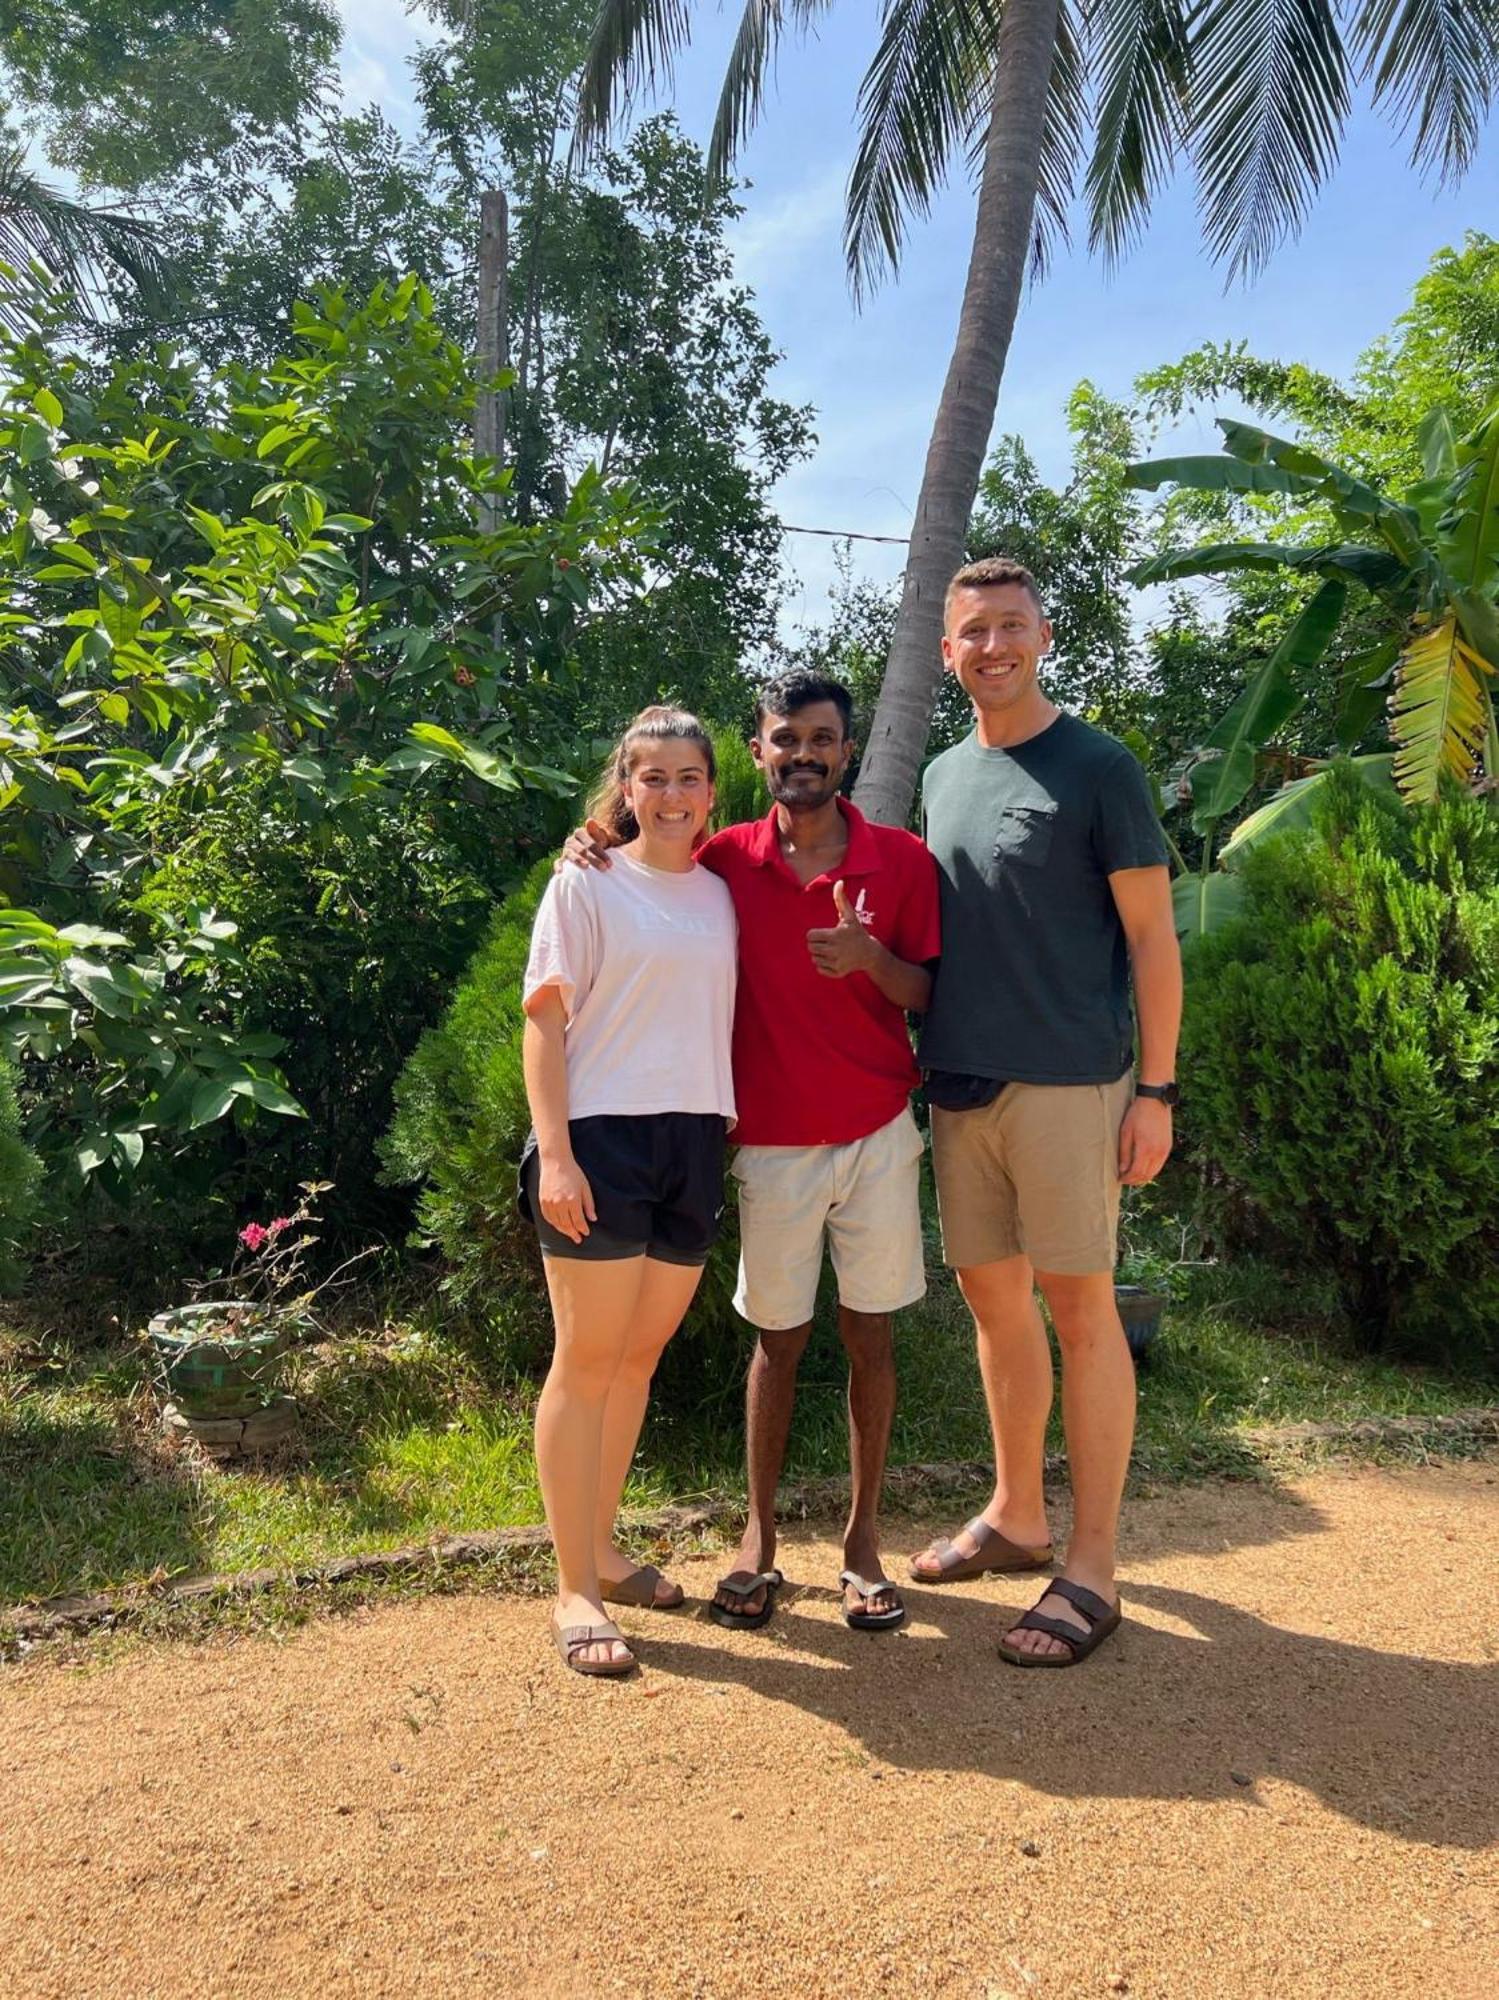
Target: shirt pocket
x=1022 y=837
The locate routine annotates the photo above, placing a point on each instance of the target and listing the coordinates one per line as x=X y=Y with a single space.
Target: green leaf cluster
x=252 y=584
x=1341 y=1046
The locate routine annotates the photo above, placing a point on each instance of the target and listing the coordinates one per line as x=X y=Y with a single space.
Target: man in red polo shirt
x=838 y=923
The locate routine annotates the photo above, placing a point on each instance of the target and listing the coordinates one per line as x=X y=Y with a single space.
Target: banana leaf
x=1204 y=903
x=1267 y=703
x=1440 y=709
x=1210 y=473
x=1292 y=806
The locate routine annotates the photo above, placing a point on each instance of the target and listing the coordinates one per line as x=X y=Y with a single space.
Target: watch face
x=1167 y=1093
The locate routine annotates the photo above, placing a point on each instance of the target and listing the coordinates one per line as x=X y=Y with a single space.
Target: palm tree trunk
x=965 y=415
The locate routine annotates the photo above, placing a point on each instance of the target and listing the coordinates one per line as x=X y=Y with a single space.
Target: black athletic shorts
x=657 y=1184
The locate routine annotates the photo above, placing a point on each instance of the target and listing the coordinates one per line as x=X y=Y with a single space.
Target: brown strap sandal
x=572 y=1641
x=995 y=1555
x=642 y=1589
x=1102 y=1618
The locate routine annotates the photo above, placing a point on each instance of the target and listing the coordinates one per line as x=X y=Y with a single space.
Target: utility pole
x=493 y=344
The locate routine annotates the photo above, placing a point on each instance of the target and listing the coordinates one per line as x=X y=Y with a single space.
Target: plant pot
x=210 y=1368
x=1140 y=1309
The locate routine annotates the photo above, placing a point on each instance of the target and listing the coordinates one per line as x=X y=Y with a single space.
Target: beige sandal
x=573 y=1640
x=640 y=1587
x=996 y=1554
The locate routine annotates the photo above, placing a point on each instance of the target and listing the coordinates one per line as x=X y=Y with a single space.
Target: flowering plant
x=266 y=1284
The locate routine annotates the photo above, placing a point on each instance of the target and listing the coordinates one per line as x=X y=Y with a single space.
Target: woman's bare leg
x=666 y=1291
x=594 y=1308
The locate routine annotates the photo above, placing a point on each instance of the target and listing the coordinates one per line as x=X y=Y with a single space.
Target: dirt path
x=1281 y=1778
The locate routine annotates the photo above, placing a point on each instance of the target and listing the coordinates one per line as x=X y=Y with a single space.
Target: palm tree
x=1255 y=93
x=79 y=248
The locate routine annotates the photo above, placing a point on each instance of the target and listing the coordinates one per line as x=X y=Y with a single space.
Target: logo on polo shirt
x=865 y=916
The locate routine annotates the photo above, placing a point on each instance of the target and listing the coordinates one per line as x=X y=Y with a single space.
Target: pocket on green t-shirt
x=1023 y=836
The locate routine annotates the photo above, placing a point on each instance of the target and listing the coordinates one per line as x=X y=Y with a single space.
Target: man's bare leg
x=1098 y=1415
x=870 y=1347
x=769 y=1399
x=1015 y=1363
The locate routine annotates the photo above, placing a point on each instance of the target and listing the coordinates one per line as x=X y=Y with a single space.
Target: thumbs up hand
x=847 y=948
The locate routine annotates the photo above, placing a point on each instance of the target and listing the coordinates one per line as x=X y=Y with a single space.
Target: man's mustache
x=816 y=770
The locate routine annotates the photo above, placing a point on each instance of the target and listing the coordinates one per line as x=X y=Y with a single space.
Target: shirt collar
x=862 y=857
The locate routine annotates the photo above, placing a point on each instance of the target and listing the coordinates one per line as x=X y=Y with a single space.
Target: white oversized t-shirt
x=646 y=960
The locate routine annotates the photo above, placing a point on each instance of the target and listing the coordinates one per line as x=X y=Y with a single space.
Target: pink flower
x=253 y=1235
x=281 y=1222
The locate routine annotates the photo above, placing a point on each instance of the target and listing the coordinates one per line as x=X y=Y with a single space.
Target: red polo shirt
x=819 y=1061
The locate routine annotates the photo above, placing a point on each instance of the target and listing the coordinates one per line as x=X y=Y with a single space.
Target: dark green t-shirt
x=1033 y=985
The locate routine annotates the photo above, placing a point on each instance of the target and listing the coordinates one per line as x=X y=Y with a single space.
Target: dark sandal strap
x=1092 y=1606
x=1037 y=1621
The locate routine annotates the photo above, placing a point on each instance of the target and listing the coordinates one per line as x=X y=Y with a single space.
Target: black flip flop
x=867 y=1587
x=769 y=1580
x=1102 y=1620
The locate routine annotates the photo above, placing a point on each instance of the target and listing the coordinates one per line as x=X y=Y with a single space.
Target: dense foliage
x=256 y=656
x=1342 y=1046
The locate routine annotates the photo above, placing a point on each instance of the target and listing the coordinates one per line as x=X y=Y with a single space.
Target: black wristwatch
x=1166 y=1092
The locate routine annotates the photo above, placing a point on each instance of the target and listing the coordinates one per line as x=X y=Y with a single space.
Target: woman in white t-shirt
x=629 y=997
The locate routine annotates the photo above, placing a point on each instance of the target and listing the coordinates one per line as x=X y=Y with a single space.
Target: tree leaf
x=1293 y=805
x=1265 y=706
x=270 y=1096
x=1204 y=903
x=1439 y=710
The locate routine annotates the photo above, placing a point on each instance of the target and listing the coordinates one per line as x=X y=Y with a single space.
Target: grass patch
x=414 y=1429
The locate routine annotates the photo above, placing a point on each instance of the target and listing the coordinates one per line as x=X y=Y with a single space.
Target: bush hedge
x=1341 y=1056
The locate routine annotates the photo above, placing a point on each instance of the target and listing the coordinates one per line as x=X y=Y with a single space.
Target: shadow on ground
x=1194 y=1699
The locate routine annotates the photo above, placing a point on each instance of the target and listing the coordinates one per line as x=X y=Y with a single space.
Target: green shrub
x=20 y=1172
x=1341 y=1052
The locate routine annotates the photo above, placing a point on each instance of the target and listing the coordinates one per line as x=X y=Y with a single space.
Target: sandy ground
x=1282 y=1777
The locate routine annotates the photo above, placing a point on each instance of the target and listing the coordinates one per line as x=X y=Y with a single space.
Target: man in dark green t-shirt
x=1055 y=898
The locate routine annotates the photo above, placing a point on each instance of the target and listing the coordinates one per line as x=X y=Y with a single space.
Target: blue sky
x=874 y=376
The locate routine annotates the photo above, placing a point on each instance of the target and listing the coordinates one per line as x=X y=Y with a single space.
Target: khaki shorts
x=863 y=1200
x=1034 y=1174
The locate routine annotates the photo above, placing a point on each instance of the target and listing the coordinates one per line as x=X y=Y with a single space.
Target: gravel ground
x=1281 y=1777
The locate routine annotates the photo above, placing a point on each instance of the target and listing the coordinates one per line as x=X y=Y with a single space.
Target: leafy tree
x=127 y=91
x=1432 y=559
x=1255 y=92
x=633 y=349
x=261 y=584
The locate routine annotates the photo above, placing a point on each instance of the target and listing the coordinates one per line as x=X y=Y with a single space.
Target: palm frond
x=1269 y=99
x=1061 y=142
x=1439 y=710
x=1139 y=58
x=1435 y=63
x=633 y=42
x=920 y=96
x=78 y=246
x=760 y=29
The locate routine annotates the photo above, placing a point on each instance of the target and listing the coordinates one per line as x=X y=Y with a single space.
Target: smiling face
x=804 y=756
x=995 y=638
x=669 y=791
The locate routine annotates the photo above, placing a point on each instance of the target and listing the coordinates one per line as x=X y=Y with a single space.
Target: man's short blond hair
x=989 y=573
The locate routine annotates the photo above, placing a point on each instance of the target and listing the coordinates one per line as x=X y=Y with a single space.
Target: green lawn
x=412 y=1431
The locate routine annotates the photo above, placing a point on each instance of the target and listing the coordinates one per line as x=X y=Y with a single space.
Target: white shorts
x=864 y=1197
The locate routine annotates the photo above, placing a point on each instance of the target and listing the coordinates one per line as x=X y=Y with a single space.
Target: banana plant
x=1430 y=557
